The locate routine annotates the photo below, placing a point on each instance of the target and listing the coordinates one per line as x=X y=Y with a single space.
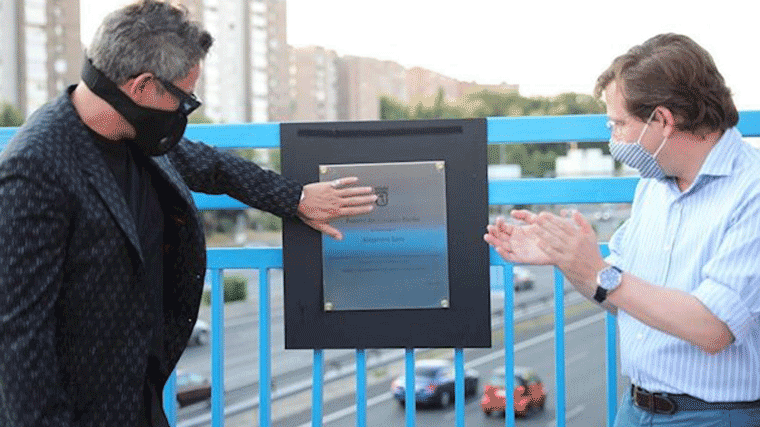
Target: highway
x=585 y=379
x=289 y=367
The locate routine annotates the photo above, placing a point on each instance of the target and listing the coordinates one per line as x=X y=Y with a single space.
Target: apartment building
x=422 y=83
x=363 y=81
x=313 y=84
x=245 y=77
x=41 y=52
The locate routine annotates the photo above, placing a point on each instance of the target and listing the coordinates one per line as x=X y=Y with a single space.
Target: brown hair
x=673 y=71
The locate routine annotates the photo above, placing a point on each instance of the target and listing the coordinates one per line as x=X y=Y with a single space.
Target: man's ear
x=137 y=87
x=665 y=117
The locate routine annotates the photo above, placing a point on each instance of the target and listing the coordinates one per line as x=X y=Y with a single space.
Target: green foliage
x=536 y=160
x=10 y=116
x=198 y=118
x=391 y=109
x=234 y=290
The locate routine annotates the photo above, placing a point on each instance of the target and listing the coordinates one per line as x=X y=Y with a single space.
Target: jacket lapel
x=170 y=174
x=101 y=178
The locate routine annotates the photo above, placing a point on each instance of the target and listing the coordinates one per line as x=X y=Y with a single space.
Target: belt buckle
x=670 y=411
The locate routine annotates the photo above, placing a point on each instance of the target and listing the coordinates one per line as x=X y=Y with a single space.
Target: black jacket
x=74 y=315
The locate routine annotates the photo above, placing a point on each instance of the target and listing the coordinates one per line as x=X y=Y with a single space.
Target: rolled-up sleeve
x=731 y=285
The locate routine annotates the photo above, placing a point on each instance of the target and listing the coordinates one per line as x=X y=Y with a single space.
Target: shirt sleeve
x=616 y=248
x=616 y=243
x=731 y=285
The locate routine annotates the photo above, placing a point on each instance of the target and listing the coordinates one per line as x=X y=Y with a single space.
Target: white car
x=201 y=333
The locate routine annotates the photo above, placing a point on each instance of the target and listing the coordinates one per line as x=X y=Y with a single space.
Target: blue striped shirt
x=704 y=241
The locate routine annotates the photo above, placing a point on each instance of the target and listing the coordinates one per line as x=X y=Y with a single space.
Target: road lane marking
x=577 y=358
x=334 y=416
x=536 y=340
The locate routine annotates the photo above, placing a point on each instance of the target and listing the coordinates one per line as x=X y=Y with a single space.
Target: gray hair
x=148 y=36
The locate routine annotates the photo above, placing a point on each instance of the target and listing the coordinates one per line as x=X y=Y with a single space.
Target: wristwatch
x=607 y=280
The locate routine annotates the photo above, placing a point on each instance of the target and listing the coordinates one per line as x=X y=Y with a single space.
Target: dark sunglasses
x=187 y=102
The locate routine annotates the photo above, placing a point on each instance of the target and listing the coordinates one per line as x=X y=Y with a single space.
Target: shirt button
x=639 y=336
x=667 y=247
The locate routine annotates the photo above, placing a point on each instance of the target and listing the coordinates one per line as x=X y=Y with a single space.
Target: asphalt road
x=585 y=384
x=294 y=366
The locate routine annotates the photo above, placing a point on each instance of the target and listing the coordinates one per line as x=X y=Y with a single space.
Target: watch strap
x=600 y=295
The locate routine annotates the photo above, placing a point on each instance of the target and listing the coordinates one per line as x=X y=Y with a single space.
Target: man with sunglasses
x=683 y=275
x=103 y=256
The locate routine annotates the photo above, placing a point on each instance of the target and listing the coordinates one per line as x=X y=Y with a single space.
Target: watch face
x=609 y=278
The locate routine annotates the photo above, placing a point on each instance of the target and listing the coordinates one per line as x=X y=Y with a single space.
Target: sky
x=546 y=47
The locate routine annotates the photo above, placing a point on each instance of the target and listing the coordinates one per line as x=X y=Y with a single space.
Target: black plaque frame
x=467 y=320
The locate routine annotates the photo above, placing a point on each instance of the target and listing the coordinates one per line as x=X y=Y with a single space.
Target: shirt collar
x=720 y=160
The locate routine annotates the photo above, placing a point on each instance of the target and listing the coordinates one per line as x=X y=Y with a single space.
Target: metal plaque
x=396 y=257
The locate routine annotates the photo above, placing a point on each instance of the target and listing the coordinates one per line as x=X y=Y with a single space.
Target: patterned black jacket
x=74 y=316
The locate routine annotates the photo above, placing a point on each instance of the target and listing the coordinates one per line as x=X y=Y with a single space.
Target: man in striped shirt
x=683 y=275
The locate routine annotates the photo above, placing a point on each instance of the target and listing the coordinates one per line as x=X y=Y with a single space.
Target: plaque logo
x=382 y=196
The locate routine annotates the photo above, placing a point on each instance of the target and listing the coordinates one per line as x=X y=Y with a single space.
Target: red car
x=530 y=394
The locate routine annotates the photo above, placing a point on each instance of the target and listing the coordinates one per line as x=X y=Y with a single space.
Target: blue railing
x=556 y=129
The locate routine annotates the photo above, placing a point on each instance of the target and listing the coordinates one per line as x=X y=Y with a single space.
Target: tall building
x=245 y=77
x=313 y=84
x=423 y=83
x=41 y=50
x=278 y=66
x=363 y=81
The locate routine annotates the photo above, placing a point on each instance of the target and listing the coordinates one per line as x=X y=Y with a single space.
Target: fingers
x=503 y=227
x=325 y=228
x=492 y=240
x=355 y=191
x=582 y=223
x=340 y=182
x=352 y=210
x=359 y=200
x=523 y=215
x=553 y=225
x=501 y=247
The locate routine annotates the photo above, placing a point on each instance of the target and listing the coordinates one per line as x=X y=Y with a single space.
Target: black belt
x=664 y=403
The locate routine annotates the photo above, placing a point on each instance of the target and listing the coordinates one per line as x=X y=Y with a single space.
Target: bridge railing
x=547 y=191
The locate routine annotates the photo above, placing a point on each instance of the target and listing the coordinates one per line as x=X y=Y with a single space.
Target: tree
x=391 y=109
x=536 y=160
x=199 y=118
x=10 y=116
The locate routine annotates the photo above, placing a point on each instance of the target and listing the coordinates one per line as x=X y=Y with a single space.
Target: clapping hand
x=517 y=243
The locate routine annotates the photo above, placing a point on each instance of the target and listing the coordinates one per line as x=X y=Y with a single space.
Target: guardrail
x=517 y=130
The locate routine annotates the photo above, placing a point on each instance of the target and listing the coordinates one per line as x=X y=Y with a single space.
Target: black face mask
x=156 y=131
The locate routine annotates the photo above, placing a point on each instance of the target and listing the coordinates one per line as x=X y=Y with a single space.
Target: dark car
x=434 y=383
x=529 y=394
x=192 y=388
x=523 y=278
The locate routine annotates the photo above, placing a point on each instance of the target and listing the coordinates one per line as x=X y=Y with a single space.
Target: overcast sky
x=547 y=47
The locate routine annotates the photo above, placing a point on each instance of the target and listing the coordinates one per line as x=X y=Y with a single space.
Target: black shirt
x=134 y=175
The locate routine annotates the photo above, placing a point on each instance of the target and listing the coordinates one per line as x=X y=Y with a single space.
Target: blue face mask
x=633 y=154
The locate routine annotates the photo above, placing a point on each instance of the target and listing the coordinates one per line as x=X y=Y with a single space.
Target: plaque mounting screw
x=439 y=166
x=328 y=306
x=445 y=303
x=323 y=170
